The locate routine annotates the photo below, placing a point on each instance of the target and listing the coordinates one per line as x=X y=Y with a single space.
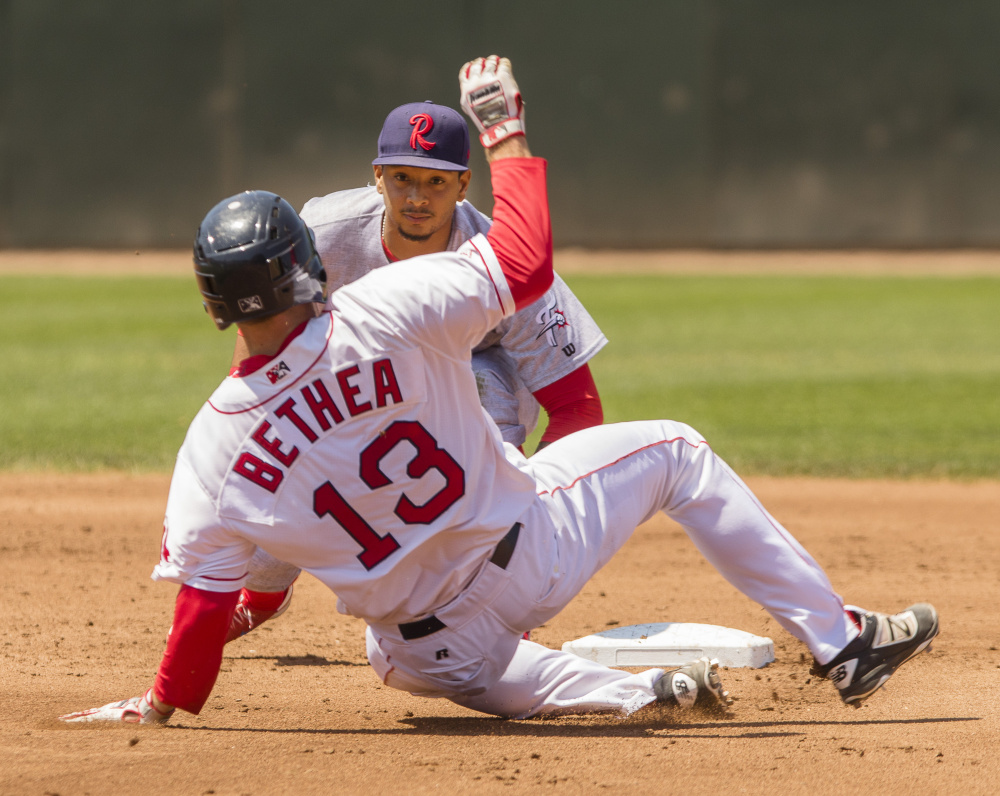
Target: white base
x=673 y=644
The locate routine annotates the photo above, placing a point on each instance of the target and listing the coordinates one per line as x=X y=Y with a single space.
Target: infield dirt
x=572 y=261
x=297 y=710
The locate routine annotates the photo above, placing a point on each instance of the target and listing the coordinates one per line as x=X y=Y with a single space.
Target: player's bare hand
x=491 y=98
x=136 y=710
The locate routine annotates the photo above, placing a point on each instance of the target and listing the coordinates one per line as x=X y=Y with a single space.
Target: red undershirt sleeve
x=191 y=662
x=572 y=403
x=521 y=235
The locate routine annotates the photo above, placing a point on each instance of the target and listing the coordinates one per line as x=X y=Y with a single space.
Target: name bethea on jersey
x=309 y=409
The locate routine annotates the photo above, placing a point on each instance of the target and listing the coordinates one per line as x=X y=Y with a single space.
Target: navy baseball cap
x=424 y=135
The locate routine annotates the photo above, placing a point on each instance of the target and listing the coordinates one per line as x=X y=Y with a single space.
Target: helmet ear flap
x=253 y=257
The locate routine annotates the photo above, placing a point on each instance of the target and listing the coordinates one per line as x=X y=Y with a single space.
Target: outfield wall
x=668 y=123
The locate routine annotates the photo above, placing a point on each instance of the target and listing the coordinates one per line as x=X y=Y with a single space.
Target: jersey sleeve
x=549 y=339
x=191 y=662
x=198 y=549
x=572 y=403
x=521 y=235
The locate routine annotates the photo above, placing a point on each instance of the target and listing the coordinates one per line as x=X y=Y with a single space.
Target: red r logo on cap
x=422 y=123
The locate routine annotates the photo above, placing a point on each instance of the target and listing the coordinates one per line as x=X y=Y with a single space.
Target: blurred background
x=674 y=123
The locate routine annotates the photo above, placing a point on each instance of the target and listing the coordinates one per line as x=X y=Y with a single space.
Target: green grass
x=859 y=377
x=103 y=373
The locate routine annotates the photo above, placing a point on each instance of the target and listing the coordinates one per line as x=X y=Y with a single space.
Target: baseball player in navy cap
x=425 y=135
x=536 y=357
x=419 y=141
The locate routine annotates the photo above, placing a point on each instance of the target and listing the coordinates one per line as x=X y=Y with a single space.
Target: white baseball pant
x=595 y=487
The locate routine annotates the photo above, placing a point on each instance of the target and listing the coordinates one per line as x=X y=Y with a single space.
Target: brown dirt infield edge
x=572 y=261
x=297 y=710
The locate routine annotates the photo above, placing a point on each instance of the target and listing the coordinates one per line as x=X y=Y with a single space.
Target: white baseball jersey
x=360 y=454
x=543 y=342
x=343 y=455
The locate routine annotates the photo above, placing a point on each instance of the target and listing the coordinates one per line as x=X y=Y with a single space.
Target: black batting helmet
x=254 y=257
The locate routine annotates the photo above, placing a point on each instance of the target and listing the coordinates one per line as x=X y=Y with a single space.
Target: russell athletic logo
x=422 y=124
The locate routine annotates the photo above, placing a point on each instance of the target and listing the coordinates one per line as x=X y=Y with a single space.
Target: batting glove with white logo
x=490 y=98
x=137 y=710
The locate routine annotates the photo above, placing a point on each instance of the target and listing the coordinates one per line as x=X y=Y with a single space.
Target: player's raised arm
x=521 y=235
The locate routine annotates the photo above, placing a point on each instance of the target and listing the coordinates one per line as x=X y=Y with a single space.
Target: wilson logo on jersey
x=422 y=123
x=551 y=319
x=278 y=372
x=250 y=304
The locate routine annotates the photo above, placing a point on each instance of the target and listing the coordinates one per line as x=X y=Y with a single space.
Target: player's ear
x=463 y=184
x=378 y=178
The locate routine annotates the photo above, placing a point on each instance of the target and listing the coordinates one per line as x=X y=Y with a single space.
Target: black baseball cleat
x=693 y=684
x=886 y=643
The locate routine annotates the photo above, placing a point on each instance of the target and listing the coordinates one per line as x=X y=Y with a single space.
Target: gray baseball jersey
x=540 y=344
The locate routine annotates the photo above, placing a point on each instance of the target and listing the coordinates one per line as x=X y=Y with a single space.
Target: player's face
x=419 y=203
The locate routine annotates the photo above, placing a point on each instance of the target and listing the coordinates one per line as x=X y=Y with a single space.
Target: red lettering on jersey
x=287 y=410
x=422 y=123
x=348 y=390
x=385 y=383
x=273 y=446
x=321 y=404
x=260 y=472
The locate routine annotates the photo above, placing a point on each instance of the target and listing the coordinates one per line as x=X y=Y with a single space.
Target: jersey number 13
x=429 y=456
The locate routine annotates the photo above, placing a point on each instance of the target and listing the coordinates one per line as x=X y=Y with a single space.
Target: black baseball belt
x=411 y=631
